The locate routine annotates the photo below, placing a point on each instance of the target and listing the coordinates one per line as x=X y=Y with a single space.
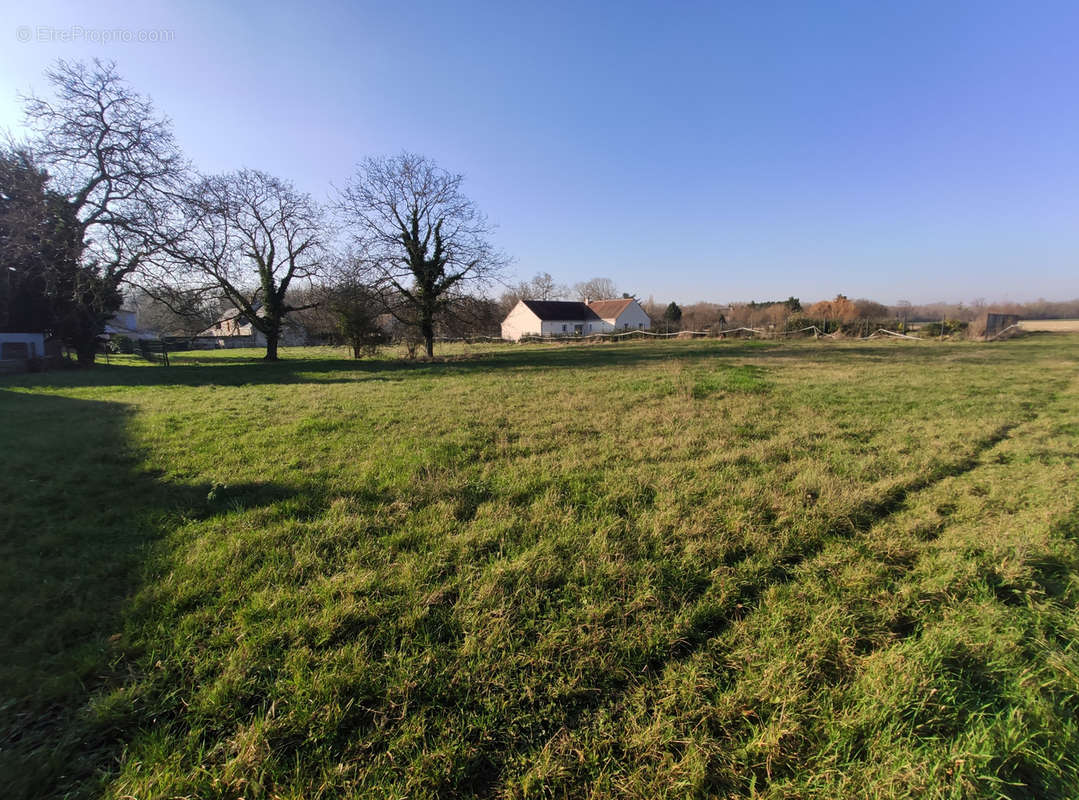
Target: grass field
x=1054 y=325
x=678 y=569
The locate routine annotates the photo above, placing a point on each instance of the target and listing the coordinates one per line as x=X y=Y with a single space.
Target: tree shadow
x=80 y=521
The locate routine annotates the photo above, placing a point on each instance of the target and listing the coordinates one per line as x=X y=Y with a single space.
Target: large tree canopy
x=422 y=243
x=247 y=236
x=115 y=168
x=23 y=229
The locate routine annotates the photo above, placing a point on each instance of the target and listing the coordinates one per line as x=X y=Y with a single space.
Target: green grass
x=681 y=569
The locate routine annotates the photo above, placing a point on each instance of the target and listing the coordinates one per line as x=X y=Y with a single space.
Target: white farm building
x=563 y=318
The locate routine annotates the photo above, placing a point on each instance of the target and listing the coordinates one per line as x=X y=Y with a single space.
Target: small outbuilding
x=19 y=346
x=998 y=323
x=18 y=351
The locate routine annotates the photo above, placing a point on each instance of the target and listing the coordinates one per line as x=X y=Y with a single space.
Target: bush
x=977 y=328
x=855 y=327
x=797 y=323
x=949 y=327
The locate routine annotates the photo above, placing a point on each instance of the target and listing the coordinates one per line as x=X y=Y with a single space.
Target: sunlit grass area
x=659 y=569
x=1055 y=325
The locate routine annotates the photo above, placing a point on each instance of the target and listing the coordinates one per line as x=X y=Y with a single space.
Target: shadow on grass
x=710 y=621
x=80 y=522
x=255 y=371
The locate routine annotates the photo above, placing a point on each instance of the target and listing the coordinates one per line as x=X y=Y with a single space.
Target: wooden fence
x=153 y=350
x=613 y=336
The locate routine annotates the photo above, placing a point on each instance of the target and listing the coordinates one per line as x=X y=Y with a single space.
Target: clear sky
x=721 y=151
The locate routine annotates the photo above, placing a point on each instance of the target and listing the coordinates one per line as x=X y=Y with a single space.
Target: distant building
x=563 y=318
x=233 y=329
x=123 y=323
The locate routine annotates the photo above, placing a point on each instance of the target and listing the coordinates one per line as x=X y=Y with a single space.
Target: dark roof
x=610 y=309
x=559 y=309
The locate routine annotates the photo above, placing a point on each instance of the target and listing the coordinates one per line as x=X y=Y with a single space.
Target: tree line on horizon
x=98 y=206
x=830 y=314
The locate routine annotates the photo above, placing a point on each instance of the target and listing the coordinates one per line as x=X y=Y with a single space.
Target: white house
x=563 y=318
x=123 y=323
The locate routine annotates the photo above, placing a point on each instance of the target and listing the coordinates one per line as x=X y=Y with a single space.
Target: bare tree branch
x=114 y=158
x=596 y=289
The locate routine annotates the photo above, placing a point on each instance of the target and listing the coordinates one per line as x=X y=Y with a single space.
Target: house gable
x=610 y=309
x=623 y=314
x=521 y=321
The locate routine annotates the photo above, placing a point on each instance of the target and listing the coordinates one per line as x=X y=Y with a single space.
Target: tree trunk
x=86 y=352
x=271 y=344
x=428 y=329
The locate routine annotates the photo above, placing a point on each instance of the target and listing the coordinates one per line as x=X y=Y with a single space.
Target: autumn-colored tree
x=838 y=310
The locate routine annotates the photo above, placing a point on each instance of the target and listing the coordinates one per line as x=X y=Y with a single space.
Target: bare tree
x=355 y=309
x=902 y=311
x=247 y=236
x=698 y=316
x=544 y=287
x=423 y=243
x=596 y=289
x=179 y=312
x=115 y=161
x=471 y=316
x=541 y=287
x=510 y=298
x=871 y=310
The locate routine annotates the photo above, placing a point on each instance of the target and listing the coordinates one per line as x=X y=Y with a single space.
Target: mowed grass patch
x=674 y=569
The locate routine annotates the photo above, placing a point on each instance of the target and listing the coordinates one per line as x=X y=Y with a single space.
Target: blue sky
x=720 y=151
